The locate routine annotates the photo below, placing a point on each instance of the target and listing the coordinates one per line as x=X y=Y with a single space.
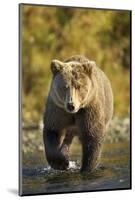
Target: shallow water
x=112 y=173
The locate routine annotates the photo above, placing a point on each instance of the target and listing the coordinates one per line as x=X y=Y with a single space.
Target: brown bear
x=80 y=102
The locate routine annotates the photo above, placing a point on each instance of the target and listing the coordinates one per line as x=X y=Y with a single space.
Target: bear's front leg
x=91 y=136
x=91 y=149
x=55 y=120
x=55 y=157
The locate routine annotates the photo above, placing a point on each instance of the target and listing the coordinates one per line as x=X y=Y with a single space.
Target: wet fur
x=89 y=123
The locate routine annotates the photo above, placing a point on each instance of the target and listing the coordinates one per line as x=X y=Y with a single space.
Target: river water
x=112 y=173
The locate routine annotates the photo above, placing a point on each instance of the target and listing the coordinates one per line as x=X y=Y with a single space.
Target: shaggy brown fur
x=80 y=101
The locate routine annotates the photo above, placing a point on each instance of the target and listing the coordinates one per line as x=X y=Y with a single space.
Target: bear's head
x=72 y=85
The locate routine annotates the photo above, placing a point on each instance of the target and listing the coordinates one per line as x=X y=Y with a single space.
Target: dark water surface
x=112 y=173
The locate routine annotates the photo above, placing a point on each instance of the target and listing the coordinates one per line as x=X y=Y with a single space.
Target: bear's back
x=78 y=58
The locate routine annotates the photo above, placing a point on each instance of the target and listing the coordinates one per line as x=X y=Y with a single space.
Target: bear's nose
x=70 y=106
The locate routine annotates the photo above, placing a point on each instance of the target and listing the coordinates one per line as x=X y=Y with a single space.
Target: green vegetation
x=50 y=32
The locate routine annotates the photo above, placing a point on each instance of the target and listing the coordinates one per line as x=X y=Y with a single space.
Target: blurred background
x=58 y=33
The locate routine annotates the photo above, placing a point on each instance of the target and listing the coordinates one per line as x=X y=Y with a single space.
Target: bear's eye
x=80 y=86
x=65 y=87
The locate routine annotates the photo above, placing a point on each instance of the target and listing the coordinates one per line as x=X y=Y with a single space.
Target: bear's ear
x=56 y=66
x=89 y=67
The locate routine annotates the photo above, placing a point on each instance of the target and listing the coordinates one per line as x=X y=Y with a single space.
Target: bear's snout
x=70 y=107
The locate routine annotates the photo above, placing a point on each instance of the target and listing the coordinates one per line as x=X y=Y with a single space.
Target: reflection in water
x=112 y=173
